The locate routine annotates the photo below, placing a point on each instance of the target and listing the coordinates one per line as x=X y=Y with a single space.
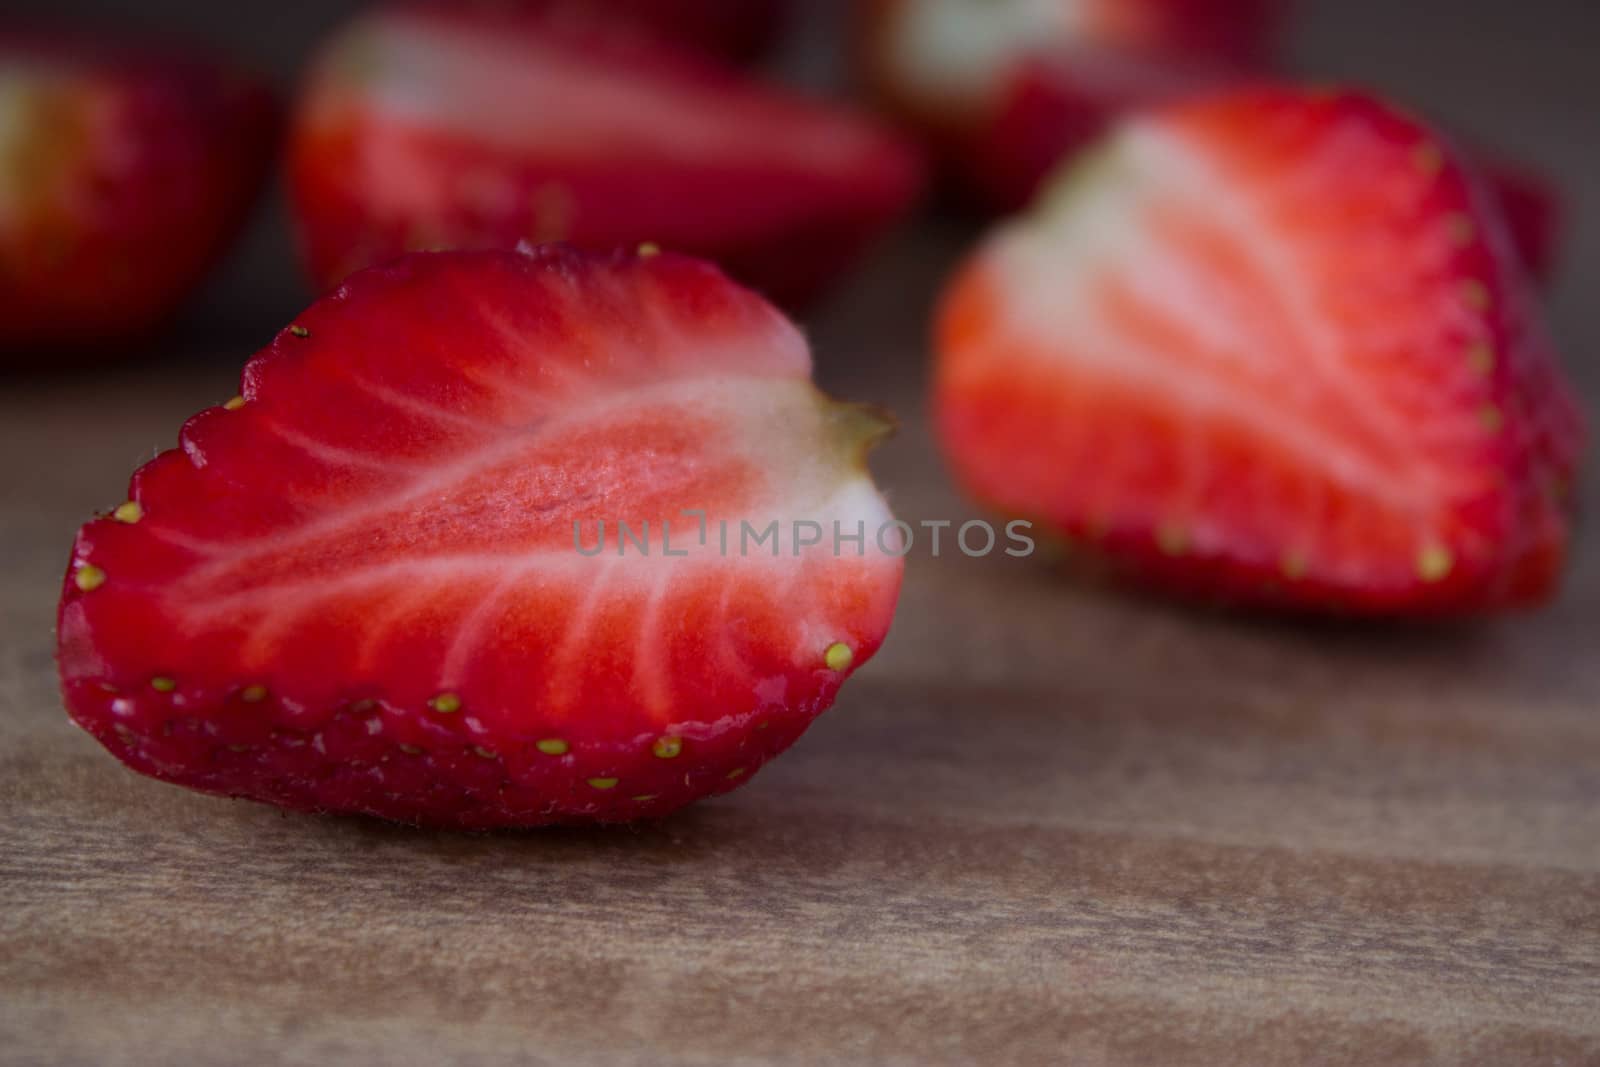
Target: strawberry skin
x=358 y=587
x=123 y=175
x=1005 y=89
x=423 y=129
x=1271 y=347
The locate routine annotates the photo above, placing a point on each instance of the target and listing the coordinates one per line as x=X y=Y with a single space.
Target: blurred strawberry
x=1005 y=89
x=122 y=176
x=424 y=128
x=1273 y=347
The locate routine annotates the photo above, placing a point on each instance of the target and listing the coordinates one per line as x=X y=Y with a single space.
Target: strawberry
x=1005 y=89
x=123 y=175
x=376 y=582
x=1271 y=347
x=423 y=128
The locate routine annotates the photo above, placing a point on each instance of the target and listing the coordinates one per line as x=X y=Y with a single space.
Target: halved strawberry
x=1272 y=347
x=423 y=128
x=369 y=584
x=1005 y=89
x=122 y=176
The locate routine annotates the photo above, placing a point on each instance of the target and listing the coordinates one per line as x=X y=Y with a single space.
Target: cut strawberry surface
x=122 y=176
x=1273 y=347
x=425 y=129
x=1006 y=90
x=377 y=581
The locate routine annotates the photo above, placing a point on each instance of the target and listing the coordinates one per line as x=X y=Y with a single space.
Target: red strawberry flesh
x=423 y=129
x=1273 y=347
x=360 y=589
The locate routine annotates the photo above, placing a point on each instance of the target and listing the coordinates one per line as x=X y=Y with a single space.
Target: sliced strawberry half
x=422 y=129
x=1006 y=89
x=122 y=176
x=1272 y=347
x=370 y=583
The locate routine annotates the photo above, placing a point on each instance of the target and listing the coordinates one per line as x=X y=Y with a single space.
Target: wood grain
x=1051 y=823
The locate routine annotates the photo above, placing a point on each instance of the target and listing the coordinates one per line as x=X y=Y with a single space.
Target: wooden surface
x=1050 y=824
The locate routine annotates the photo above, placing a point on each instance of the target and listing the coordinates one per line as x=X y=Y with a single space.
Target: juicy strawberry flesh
x=1151 y=402
x=784 y=193
x=129 y=175
x=1052 y=110
x=388 y=519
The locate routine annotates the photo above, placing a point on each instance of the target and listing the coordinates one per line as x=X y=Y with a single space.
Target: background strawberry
x=123 y=175
x=1005 y=89
x=356 y=587
x=423 y=129
x=1273 y=347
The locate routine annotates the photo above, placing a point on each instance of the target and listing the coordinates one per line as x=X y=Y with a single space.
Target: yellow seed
x=411 y=750
x=838 y=657
x=486 y=753
x=254 y=694
x=300 y=331
x=1428 y=158
x=163 y=685
x=1294 y=565
x=643 y=798
x=603 y=783
x=1434 y=563
x=736 y=772
x=445 y=703
x=89 y=577
x=235 y=404
x=1172 y=539
x=667 y=747
x=552 y=746
x=1462 y=231
x=130 y=512
x=648 y=249
x=1476 y=294
x=1490 y=419
x=1480 y=357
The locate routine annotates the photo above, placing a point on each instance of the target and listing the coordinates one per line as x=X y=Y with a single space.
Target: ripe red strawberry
x=358 y=587
x=425 y=128
x=1005 y=89
x=122 y=176
x=1271 y=347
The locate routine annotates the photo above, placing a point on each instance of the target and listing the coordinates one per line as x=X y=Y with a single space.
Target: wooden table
x=1051 y=823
